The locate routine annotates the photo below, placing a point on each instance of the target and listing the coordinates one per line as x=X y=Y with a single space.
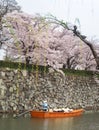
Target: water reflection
x=58 y=124
x=85 y=122
x=53 y=124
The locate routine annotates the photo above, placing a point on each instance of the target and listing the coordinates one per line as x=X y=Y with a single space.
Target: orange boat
x=47 y=114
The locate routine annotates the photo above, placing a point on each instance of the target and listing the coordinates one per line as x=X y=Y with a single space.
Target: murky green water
x=89 y=121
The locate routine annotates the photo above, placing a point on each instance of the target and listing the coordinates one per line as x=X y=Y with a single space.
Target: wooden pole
x=21 y=114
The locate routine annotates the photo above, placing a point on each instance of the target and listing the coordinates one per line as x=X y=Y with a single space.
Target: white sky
x=87 y=11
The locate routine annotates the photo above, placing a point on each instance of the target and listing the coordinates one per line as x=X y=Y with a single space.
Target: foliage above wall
x=21 y=66
x=39 y=68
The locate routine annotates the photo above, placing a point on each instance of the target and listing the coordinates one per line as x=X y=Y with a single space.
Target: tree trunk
x=91 y=48
x=0 y=30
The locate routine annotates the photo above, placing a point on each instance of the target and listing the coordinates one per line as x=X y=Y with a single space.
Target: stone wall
x=22 y=90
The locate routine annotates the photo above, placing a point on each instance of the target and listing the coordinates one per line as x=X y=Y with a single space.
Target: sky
x=87 y=11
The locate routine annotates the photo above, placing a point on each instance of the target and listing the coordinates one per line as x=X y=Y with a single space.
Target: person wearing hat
x=45 y=106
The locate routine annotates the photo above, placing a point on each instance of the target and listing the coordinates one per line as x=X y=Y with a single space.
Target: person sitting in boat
x=45 y=106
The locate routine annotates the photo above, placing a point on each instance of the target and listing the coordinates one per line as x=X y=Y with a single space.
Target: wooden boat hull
x=43 y=114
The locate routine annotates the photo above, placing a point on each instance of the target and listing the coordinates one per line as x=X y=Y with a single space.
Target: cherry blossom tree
x=22 y=32
x=5 y=7
x=34 y=40
x=77 y=34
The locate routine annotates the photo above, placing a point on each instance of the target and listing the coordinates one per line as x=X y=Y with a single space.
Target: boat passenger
x=45 y=106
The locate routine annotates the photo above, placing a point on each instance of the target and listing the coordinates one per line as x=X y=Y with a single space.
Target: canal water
x=88 y=121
